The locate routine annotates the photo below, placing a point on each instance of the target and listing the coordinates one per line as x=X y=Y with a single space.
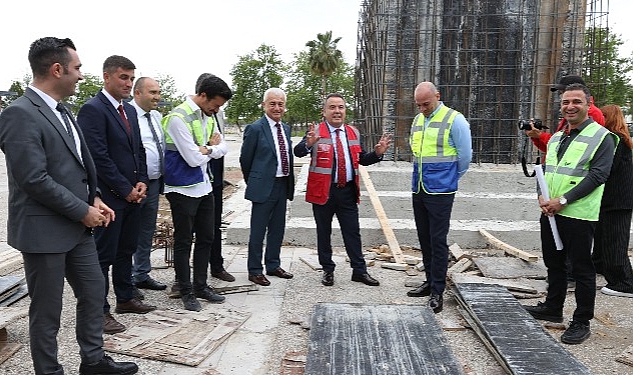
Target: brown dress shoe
x=223 y=275
x=279 y=272
x=111 y=326
x=133 y=306
x=259 y=279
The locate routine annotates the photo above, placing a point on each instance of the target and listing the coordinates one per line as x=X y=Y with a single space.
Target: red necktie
x=125 y=121
x=340 y=161
x=283 y=152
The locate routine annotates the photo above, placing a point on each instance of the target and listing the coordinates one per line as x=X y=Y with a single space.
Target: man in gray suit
x=267 y=166
x=53 y=206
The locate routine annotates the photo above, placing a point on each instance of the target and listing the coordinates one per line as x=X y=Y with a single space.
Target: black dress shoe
x=223 y=275
x=327 y=279
x=436 y=303
x=421 y=291
x=279 y=272
x=151 y=284
x=108 y=366
x=259 y=279
x=365 y=279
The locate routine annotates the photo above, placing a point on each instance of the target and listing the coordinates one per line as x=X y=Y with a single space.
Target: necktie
x=283 y=152
x=340 y=161
x=125 y=121
x=60 y=107
x=159 y=144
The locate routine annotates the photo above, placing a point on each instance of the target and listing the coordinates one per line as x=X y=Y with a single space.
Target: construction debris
x=508 y=248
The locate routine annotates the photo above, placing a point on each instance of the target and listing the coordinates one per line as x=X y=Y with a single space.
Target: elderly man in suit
x=267 y=166
x=113 y=137
x=53 y=206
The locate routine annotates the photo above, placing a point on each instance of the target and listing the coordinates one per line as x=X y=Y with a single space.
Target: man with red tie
x=267 y=167
x=334 y=185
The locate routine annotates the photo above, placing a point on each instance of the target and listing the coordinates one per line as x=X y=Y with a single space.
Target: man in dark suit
x=334 y=185
x=113 y=138
x=53 y=206
x=267 y=167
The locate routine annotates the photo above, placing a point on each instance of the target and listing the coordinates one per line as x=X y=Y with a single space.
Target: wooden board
x=10 y=261
x=515 y=338
x=178 y=336
x=356 y=339
x=9 y=285
x=510 y=268
x=508 y=248
x=626 y=357
x=396 y=251
x=293 y=363
x=20 y=293
x=516 y=284
x=10 y=314
x=311 y=261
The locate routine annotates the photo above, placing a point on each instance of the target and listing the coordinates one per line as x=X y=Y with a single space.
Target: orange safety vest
x=320 y=172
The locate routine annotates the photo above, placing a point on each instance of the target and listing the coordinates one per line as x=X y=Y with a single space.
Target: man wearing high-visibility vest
x=442 y=148
x=578 y=163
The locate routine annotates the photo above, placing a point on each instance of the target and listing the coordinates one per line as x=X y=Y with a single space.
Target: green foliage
x=169 y=95
x=303 y=89
x=606 y=72
x=86 y=89
x=324 y=57
x=17 y=88
x=253 y=74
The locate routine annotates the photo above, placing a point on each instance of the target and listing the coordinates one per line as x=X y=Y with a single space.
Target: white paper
x=540 y=177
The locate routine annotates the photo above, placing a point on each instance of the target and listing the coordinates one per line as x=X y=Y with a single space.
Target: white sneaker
x=612 y=292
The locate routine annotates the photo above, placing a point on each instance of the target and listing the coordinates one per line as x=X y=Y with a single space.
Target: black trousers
x=577 y=238
x=192 y=215
x=611 y=249
x=216 y=260
x=342 y=203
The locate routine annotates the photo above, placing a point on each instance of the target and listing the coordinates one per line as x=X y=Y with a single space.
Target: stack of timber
x=12 y=289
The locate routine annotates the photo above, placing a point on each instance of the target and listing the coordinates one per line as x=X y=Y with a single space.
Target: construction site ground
x=275 y=337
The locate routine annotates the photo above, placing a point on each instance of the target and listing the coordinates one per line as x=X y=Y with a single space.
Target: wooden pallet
x=356 y=339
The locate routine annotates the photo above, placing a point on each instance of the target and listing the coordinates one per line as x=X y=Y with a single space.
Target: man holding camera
x=539 y=137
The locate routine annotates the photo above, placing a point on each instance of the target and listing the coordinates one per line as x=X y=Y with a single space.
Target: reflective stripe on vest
x=564 y=174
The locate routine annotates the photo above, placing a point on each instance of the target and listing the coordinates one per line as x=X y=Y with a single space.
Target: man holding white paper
x=578 y=163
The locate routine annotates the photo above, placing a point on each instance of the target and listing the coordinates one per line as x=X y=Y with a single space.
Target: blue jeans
x=149 y=209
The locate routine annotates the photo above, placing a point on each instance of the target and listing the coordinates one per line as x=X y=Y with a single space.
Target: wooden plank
x=10 y=314
x=293 y=363
x=461 y=266
x=10 y=261
x=626 y=357
x=508 y=248
x=20 y=293
x=519 y=285
x=510 y=268
x=396 y=251
x=520 y=343
x=311 y=261
x=357 y=339
x=457 y=252
x=7 y=350
x=177 y=336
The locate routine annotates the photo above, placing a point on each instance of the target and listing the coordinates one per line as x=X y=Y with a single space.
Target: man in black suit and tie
x=334 y=185
x=267 y=167
x=53 y=206
x=113 y=137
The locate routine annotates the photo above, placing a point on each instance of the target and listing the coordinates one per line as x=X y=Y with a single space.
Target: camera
x=525 y=124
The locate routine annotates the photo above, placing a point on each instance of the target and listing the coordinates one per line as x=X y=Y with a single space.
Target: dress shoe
x=436 y=303
x=151 y=284
x=365 y=279
x=544 y=312
x=174 y=291
x=190 y=302
x=259 y=279
x=111 y=326
x=208 y=294
x=223 y=275
x=137 y=294
x=133 y=306
x=107 y=366
x=327 y=279
x=421 y=291
x=279 y=272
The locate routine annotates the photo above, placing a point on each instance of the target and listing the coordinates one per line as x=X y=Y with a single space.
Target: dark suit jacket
x=50 y=186
x=258 y=160
x=120 y=160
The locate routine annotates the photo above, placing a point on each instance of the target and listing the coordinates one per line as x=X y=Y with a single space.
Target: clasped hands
x=138 y=193
x=550 y=207
x=99 y=214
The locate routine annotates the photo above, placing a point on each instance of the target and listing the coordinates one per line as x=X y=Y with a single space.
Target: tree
x=169 y=95
x=87 y=88
x=17 y=88
x=304 y=93
x=253 y=74
x=324 y=57
x=605 y=71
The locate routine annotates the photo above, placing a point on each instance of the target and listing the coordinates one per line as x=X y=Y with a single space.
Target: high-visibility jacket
x=322 y=162
x=177 y=171
x=435 y=168
x=562 y=175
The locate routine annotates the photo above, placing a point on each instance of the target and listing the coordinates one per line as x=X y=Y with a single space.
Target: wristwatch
x=562 y=200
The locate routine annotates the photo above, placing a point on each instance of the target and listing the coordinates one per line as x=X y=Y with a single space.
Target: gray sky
x=193 y=37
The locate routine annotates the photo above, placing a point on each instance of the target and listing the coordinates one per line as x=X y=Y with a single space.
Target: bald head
x=427 y=98
x=147 y=93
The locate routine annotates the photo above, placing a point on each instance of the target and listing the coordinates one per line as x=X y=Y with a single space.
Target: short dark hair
x=333 y=95
x=47 y=51
x=115 y=62
x=201 y=78
x=213 y=86
x=579 y=87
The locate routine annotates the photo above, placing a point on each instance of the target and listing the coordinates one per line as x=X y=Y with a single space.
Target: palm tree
x=324 y=58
